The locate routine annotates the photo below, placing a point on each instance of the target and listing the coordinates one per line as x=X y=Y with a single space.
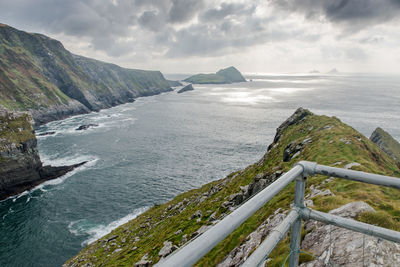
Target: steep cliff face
x=304 y=136
x=386 y=142
x=20 y=165
x=39 y=75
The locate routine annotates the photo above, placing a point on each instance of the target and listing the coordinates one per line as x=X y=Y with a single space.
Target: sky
x=190 y=36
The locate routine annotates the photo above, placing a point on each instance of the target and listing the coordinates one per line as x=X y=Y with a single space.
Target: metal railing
x=193 y=251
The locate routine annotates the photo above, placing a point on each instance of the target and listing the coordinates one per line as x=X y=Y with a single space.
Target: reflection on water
x=149 y=151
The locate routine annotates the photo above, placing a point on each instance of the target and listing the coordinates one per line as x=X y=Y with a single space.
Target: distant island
x=333 y=71
x=223 y=76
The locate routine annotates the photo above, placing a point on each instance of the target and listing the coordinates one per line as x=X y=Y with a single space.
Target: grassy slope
x=206 y=78
x=22 y=84
x=38 y=72
x=326 y=148
x=15 y=130
x=114 y=77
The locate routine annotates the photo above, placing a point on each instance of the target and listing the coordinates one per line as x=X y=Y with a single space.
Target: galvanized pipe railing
x=193 y=251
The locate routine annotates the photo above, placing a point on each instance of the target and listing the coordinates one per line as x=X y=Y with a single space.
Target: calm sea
x=149 y=151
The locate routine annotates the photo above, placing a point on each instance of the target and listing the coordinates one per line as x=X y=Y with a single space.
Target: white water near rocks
x=147 y=152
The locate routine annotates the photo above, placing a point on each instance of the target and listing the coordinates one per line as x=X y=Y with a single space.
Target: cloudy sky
x=188 y=36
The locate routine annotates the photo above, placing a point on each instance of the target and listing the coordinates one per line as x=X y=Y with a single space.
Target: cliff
x=304 y=136
x=20 y=165
x=386 y=142
x=223 y=76
x=37 y=74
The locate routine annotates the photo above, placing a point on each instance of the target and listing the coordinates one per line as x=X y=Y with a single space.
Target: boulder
x=167 y=249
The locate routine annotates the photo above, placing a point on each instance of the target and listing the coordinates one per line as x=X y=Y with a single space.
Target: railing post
x=296 y=228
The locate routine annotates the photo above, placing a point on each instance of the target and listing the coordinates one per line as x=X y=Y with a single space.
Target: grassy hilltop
x=304 y=136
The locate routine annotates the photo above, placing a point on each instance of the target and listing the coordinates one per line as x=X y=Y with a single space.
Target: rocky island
x=188 y=87
x=303 y=136
x=20 y=165
x=223 y=76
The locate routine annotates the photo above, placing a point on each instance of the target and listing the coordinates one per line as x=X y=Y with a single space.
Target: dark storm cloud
x=351 y=14
x=110 y=25
x=184 y=10
x=182 y=28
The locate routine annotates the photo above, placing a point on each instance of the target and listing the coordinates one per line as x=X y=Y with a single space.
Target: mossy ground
x=15 y=130
x=333 y=143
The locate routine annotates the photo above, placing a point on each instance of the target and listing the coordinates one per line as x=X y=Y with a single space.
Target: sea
x=147 y=152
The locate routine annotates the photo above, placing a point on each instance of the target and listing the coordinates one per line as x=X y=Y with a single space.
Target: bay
x=147 y=152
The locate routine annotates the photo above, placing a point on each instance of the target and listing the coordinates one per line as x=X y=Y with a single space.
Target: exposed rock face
x=167 y=249
x=188 y=87
x=239 y=254
x=20 y=165
x=296 y=118
x=341 y=247
x=57 y=84
x=386 y=142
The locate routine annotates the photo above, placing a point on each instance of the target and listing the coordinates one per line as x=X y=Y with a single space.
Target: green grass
x=326 y=148
x=15 y=130
x=206 y=78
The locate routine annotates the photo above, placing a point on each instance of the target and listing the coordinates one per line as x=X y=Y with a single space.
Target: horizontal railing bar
x=359 y=176
x=350 y=224
x=276 y=235
x=193 y=251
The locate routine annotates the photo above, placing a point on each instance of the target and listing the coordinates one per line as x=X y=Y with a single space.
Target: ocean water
x=147 y=152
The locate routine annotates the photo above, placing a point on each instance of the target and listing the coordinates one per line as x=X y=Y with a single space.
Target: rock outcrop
x=331 y=245
x=188 y=87
x=386 y=142
x=37 y=74
x=20 y=165
x=86 y=126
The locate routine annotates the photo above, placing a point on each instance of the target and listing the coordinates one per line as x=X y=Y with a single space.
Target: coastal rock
x=46 y=133
x=86 y=126
x=20 y=165
x=386 y=142
x=188 y=87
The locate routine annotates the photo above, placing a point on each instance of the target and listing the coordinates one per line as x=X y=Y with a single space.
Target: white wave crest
x=84 y=227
